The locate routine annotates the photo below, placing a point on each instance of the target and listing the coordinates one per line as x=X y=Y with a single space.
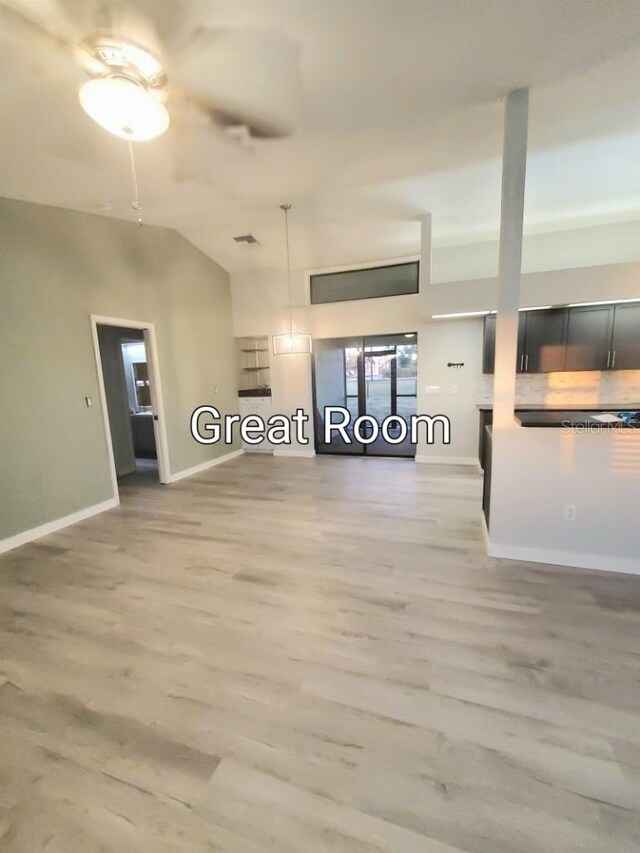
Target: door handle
x=608 y=358
x=526 y=362
x=522 y=363
x=613 y=359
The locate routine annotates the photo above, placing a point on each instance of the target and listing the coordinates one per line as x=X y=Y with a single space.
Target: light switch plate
x=432 y=390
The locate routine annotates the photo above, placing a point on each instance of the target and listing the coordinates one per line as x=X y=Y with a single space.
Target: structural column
x=514 y=166
x=425 y=256
x=423 y=318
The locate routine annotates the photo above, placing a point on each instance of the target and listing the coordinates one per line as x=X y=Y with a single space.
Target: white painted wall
x=554 y=287
x=540 y=471
x=612 y=243
x=439 y=343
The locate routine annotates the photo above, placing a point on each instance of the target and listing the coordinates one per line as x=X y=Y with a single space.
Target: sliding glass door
x=372 y=376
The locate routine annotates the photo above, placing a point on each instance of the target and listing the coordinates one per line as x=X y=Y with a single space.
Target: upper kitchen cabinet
x=489 y=343
x=585 y=337
x=589 y=338
x=541 y=341
x=625 y=341
x=544 y=341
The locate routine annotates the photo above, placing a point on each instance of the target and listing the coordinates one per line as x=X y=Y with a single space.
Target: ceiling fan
x=245 y=81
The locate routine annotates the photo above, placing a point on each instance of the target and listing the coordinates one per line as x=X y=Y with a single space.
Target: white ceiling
x=403 y=114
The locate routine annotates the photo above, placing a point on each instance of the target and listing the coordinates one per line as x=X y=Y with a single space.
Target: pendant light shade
x=290 y=343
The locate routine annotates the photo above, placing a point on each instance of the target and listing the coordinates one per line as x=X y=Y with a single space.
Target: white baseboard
x=447 y=460
x=305 y=454
x=204 y=466
x=626 y=565
x=51 y=526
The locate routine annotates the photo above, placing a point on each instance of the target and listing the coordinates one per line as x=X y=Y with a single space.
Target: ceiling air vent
x=245 y=238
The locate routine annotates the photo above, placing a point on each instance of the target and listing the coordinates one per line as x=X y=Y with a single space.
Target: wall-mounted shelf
x=254 y=368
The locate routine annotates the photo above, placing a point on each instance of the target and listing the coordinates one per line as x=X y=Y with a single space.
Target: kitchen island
x=579 y=416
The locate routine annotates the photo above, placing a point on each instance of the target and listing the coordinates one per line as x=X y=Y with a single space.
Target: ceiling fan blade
x=38 y=19
x=243 y=76
x=201 y=151
x=29 y=47
x=124 y=20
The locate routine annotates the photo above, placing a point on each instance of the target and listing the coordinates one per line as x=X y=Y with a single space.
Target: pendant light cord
x=136 y=197
x=286 y=208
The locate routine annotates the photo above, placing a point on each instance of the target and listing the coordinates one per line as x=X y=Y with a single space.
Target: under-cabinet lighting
x=462 y=314
x=536 y=308
x=601 y=302
x=533 y=308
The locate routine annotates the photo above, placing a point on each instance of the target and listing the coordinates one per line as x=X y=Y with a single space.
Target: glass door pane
x=337 y=383
x=375 y=376
x=391 y=363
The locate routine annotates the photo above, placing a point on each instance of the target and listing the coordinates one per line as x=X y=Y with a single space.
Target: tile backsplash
x=586 y=387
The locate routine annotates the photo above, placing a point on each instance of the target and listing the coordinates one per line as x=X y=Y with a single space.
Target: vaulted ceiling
x=402 y=114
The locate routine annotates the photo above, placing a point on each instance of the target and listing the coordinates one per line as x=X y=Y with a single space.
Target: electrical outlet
x=454 y=389
x=570 y=512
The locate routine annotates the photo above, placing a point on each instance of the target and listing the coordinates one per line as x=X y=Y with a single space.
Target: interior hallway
x=310 y=655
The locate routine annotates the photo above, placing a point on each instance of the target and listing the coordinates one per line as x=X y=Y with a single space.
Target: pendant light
x=290 y=343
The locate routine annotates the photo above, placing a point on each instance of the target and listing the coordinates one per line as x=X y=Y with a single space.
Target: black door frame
x=361 y=387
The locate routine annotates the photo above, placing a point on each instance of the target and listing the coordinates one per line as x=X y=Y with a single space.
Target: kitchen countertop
x=255 y=392
x=594 y=419
x=566 y=407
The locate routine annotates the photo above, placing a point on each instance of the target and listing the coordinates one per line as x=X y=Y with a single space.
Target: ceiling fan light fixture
x=124 y=107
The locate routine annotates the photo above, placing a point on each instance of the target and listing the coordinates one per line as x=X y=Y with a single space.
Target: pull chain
x=136 y=200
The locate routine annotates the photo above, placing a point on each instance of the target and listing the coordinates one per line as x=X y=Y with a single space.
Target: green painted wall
x=58 y=267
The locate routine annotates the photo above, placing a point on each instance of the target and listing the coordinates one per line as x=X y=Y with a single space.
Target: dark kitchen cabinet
x=489 y=345
x=544 y=341
x=486 y=419
x=586 y=337
x=589 y=332
x=486 y=484
x=625 y=341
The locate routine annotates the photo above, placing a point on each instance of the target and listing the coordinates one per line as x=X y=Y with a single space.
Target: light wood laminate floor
x=303 y=656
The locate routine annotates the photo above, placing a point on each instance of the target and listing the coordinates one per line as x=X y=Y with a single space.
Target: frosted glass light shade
x=124 y=108
x=291 y=343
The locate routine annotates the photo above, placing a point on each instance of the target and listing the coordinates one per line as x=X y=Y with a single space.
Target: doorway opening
x=376 y=376
x=128 y=377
